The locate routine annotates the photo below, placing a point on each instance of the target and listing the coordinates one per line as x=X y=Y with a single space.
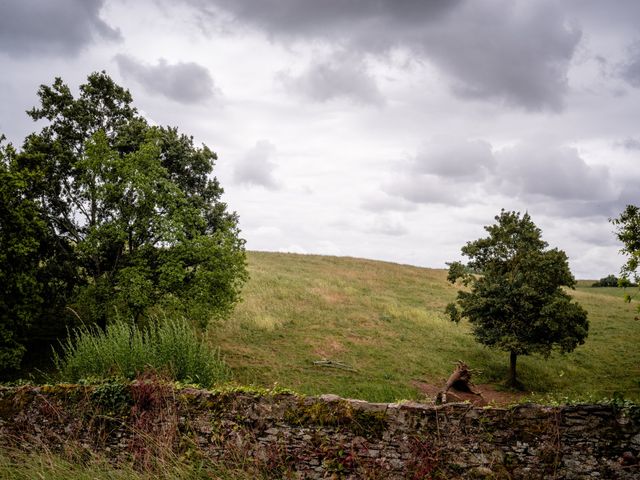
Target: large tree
x=134 y=216
x=514 y=298
x=35 y=275
x=21 y=231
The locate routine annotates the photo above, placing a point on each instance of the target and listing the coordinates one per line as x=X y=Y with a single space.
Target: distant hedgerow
x=171 y=347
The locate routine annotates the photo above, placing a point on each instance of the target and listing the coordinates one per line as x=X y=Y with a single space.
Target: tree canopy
x=628 y=232
x=514 y=298
x=111 y=216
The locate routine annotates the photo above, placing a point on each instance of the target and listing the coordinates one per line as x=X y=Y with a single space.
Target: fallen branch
x=334 y=364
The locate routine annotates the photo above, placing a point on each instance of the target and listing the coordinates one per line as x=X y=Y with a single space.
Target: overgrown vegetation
x=123 y=350
x=387 y=321
x=104 y=215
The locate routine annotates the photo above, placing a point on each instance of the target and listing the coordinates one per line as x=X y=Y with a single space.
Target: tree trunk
x=512 y=370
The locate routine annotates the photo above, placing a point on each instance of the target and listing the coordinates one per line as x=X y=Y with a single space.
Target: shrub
x=123 y=350
x=608 y=281
x=613 y=281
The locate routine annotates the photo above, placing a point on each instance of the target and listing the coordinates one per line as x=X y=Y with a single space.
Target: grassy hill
x=386 y=321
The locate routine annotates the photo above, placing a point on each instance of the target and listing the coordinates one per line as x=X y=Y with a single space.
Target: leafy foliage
x=107 y=215
x=628 y=232
x=30 y=265
x=125 y=351
x=516 y=303
x=18 y=262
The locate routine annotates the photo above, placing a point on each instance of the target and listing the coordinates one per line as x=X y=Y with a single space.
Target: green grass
x=170 y=347
x=585 y=285
x=387 y=321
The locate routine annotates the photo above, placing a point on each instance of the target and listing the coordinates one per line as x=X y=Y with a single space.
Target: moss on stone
x=338 y=414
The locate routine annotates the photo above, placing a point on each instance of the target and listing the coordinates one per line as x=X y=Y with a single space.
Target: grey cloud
x=257 y=166
x=340 y=76
x=531 y=170
x=560 y=183
x=455 y=159
x=572 y=208
x=517 y=53
x=630 y=70
x=628 y=196
x=427 y=189
x=554 y=179
x=388 y=225
x=623 y=14
x=184 y=82
x=593 y=232
x=444 y=172
x=329 y=18
x=629 y=143
x=61 y=27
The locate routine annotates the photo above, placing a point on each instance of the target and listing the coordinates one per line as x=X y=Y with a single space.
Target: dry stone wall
x=285 y=435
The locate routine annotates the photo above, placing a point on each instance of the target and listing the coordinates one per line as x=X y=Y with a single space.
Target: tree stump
x=459 y=380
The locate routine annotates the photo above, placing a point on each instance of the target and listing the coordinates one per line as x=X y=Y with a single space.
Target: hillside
x=386 y=321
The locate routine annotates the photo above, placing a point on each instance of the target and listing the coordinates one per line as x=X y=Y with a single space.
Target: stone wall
x=327 y=437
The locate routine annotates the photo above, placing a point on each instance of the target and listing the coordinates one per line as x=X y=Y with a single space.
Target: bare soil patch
x=488 y=394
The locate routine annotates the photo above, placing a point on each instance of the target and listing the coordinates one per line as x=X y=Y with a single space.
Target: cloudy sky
x=386 y=129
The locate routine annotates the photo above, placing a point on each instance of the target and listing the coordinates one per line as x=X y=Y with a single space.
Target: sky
x=384 y=129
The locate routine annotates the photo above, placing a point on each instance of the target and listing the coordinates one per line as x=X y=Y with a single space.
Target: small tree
x=515 y=301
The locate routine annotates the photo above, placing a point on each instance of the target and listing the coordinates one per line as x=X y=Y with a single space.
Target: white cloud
x=387 y=224
x=293 y=248
x=257 y=167
x=428 y=189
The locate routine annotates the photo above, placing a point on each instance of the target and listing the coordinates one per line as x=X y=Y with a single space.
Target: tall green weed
x=171 y=347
